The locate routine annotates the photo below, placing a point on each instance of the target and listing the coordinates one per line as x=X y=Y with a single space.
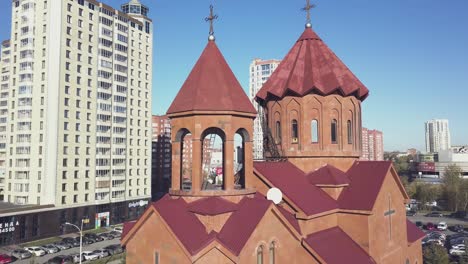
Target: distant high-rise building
x=372 y=145
x=161 y=155
x=260 y=71
x=437 y=135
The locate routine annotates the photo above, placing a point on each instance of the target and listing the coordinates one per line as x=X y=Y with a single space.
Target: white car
x=89 y=255
x=37 y=251
x=101 y=253
x=442 y=226
x=457 y=252
x=459 y=246
x=118 y=229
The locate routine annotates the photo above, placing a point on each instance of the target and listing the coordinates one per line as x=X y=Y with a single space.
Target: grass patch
x=106 y=260
x=41 y=242
x=96 y=231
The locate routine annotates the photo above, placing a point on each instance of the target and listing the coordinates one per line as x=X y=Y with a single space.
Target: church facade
x=335 y=209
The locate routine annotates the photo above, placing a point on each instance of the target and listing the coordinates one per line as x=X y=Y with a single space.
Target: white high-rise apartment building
x=260 y=71
x=75 y=126
x=437 y=135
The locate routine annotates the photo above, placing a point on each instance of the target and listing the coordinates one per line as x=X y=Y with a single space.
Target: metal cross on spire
x=211 y=19
x=307 y=9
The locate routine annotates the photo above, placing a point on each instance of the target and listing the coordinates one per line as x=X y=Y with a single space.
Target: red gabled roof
x=366 y=178
x=185 y=225
x=211 y=86
x=335 y=247
x=240 y=226
x=311 y=67
x=413 y=232
x=295 y=186
x=212 y=206
x=291 y=218
x=327 y=175
x=127 y=226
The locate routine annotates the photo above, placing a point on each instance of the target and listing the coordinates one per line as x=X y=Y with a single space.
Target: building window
x=278 y=132
x=350 y=132
x=156 y=257
x=295 y=131
x=314 y=131
x=272 y=252
x=334 y=131
x=260 y=255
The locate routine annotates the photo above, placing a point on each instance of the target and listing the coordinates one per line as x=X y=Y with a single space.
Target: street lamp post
x=81 y=234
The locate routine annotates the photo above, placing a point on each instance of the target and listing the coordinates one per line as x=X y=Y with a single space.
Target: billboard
x=426 y=166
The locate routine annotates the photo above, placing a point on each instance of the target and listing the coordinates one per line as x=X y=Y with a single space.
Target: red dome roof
x=311 y=67
x=211 y=86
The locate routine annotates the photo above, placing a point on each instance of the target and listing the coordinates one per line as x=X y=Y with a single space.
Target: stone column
x=229 y=165
x=248 y=164
x=196 y=164
x=176 y=164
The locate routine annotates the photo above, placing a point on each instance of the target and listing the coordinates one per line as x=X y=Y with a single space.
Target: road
x=435 y=220
x=97 y=245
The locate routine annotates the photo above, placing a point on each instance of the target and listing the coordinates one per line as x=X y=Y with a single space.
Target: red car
x=430 y=226
x=5 y=259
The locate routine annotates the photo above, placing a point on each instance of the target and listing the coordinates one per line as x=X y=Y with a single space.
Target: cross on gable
x=389 y=214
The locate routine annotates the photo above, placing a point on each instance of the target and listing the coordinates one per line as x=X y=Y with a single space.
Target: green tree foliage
x=435 y=254
x=425 y=192
x=454 y=188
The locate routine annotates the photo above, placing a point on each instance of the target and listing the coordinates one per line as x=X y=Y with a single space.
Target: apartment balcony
x=103 y=184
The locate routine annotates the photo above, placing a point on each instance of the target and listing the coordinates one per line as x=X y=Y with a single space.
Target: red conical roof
x=211 y=86
x=311 y=67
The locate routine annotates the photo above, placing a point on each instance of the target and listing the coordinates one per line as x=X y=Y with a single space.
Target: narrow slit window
x=295 y=131
x=314 y=131
x=334 y=131
x=278 y=131
x=350 y=132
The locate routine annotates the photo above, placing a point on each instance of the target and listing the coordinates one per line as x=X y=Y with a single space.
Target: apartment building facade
x=4 y=92
x=161 y=156
x=78 y=123
x=372 y=145
x=437 y=135
x=260 y=71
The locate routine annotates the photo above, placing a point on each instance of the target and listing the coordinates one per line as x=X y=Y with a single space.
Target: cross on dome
x=211 y=19
x=307 y=9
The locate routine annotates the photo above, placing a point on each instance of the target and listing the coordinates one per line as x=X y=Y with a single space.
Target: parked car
x=60 y=260
x=430 y=226
x=37 y=251
x=50 y=249
x=419 y=224
x=76 y=258
x=93 y=237
x=102 y=253
x=89 y=255
x=106 y=236
x=434 y=214
x=118 y=229
x=459 y=246
x=71 y=241
x=429 y=241
x=410 y=213
x=114 y=249
x=437 y=235
x=458 y=241
x=21 y=254
x=458 y=214
x=62 y=245
x=442 y=226
x=457 y=252
x=4 y=259
x=116 y=234
x=456 y=228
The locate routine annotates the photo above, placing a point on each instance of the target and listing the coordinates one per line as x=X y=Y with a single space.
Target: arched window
x=334 y=131
x=272 y=252
x=294 y=131
x=213 y=163
x=314 y=131
x=278 y=132
x=260 y=255
x=350 y=132
x=407 y=261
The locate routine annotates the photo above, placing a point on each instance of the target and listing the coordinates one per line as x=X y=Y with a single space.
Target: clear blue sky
x=412 y=55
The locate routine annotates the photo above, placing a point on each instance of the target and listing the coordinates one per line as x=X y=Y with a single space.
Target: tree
x=426 y=193
x=452 y=187
x=435 y=254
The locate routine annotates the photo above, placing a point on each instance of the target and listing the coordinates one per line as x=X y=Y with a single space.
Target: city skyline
x=391 y=58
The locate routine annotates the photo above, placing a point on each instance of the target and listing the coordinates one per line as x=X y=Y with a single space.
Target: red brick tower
x=211 y=101
x=313 y=106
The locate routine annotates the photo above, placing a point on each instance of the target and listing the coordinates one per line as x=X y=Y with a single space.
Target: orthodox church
x=334 y=208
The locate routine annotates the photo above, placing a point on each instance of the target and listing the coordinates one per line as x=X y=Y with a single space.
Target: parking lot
x=67 y=252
